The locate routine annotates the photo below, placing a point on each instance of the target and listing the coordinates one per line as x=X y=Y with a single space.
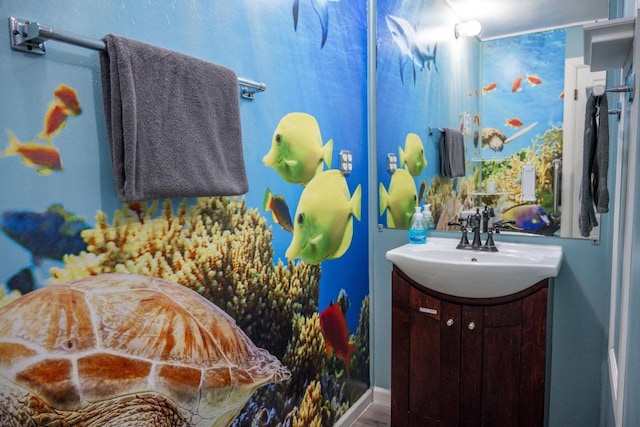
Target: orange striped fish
x=45 y=158
x=533 y=80
x=55 y=120
x=68 y=99
x=514 y=122
x=517 y=84
x=489 y=88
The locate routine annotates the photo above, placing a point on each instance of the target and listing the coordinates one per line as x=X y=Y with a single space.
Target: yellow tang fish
x=296 y=150
x=400 y=201
x=323 y=224
x=412 y=157
x=44 y=157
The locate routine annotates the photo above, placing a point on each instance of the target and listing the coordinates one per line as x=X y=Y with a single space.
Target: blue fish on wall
x=50 y=234
x=531 y=219
x=22 y=281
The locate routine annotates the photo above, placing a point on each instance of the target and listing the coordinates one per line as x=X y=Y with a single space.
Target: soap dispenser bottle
x=428 y=218
x=418 y=229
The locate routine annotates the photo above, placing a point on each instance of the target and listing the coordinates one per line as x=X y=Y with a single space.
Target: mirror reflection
x=466 y=125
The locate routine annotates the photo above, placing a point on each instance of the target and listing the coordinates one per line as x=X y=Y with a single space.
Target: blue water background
x=256 y=40
x=541 y=54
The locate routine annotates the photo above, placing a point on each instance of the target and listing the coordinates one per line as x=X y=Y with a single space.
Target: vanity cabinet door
x=434 y=360
x=425 y=354
x=513 y=362
x=471 y=350
x=501 y=360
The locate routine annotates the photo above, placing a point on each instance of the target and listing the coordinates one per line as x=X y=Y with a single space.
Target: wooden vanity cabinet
x=467 y=362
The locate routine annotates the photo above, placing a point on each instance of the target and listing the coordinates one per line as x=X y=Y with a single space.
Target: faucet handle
x=501 y=225
x=490 y=245
x=464 y=240
x=495 y=228
x=470 y=220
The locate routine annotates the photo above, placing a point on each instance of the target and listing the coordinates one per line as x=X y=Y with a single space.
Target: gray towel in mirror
x=452 y=161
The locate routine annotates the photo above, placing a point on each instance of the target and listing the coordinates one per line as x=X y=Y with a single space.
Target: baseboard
x=355 y=410
x=382 y=396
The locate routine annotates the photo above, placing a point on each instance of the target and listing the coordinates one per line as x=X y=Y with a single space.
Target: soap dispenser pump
x=417 y=229
x=428 y=218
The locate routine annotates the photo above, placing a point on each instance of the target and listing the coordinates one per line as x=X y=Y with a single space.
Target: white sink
x=438 y=265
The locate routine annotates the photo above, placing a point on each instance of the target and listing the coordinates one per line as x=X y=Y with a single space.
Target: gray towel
x=452 y=162
x=173 y=123
x=595 y=164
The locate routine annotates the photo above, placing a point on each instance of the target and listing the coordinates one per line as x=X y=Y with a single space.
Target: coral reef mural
x=221 y=250
x=242 y=311
x=522 y=117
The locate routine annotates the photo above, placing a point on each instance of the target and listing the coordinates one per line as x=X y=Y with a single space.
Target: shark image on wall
x=411 y=49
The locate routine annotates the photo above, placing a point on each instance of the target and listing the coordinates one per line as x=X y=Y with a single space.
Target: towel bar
x=30 y=37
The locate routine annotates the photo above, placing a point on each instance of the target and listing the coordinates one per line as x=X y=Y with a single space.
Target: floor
x=376 y=415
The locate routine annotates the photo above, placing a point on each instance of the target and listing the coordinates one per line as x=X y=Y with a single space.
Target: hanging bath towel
x=594 y=192
x=173 y=123
x=452 y=153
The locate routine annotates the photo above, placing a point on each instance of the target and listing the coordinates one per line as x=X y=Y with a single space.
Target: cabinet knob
x=471 y=326
x=450 y=322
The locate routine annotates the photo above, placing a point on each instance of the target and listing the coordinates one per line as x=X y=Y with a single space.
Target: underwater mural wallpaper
x=427 y=80
x=246 y=310
x=522 y=119
x=510 y=119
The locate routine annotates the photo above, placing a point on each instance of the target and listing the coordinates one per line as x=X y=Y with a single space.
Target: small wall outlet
x=392 y=163
x=346 y=161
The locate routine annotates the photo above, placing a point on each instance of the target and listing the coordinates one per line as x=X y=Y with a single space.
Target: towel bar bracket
x=25 y=36
x=247 y=94
x=248 y=88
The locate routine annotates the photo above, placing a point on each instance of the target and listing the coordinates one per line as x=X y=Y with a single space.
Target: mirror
x=504 y=98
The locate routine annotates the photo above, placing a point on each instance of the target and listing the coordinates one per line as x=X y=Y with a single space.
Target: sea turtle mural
x=496 y=139
x=125 y=349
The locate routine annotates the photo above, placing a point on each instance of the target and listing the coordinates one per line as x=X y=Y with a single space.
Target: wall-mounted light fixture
x=467 y=29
